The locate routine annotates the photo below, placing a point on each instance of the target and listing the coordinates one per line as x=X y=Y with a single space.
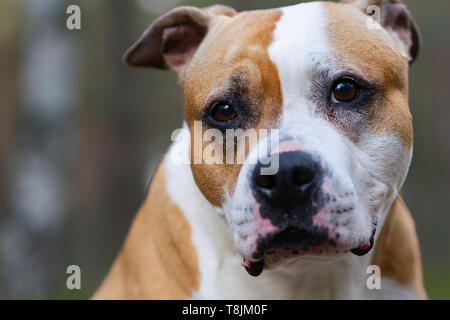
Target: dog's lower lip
x=365 y=248
x=254 y=268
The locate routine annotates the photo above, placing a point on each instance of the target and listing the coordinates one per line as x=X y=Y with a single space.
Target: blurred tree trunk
x=10 y=14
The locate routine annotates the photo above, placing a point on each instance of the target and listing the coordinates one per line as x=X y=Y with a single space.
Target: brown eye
x=223 y=112
x=345 y=91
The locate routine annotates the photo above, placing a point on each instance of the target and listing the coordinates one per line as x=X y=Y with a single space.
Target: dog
x=330 y=82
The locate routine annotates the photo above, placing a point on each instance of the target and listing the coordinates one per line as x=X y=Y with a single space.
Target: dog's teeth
x=254 y=268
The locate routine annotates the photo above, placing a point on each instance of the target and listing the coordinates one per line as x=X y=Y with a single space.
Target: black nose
x=292 y=186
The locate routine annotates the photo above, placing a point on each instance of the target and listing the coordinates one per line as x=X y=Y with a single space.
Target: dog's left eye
x=345 y=91
x=223 y=112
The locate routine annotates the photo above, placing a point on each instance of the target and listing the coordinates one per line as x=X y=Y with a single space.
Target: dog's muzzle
x=290 y=199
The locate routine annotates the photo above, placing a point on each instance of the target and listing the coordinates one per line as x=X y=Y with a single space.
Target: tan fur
x=373 y=55
x=397 y=251
x=233 y=46
x=158 y=260
x=221 y=10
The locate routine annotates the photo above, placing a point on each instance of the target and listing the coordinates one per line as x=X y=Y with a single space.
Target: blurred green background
x=81 y=133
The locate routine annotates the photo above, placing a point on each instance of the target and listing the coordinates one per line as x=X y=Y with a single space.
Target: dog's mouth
x=294 y=242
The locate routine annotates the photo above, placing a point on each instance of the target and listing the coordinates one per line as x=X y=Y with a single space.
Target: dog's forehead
x=303 y=37
x=349 y=32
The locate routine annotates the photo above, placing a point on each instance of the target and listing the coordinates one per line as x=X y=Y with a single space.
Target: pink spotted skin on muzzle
x=252 y=227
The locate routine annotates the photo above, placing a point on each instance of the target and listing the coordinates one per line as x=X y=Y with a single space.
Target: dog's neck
x=221 y=274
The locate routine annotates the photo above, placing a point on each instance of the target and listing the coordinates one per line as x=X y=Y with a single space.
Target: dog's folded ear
x=172 y=39
x=394 y=17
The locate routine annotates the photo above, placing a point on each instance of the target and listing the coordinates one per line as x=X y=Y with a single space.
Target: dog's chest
x=221 y=274
x=309 y=282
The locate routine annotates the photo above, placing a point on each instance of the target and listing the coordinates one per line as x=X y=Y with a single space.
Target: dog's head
x=328 y=83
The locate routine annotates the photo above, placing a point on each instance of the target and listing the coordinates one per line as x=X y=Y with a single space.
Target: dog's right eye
x=223 y=112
